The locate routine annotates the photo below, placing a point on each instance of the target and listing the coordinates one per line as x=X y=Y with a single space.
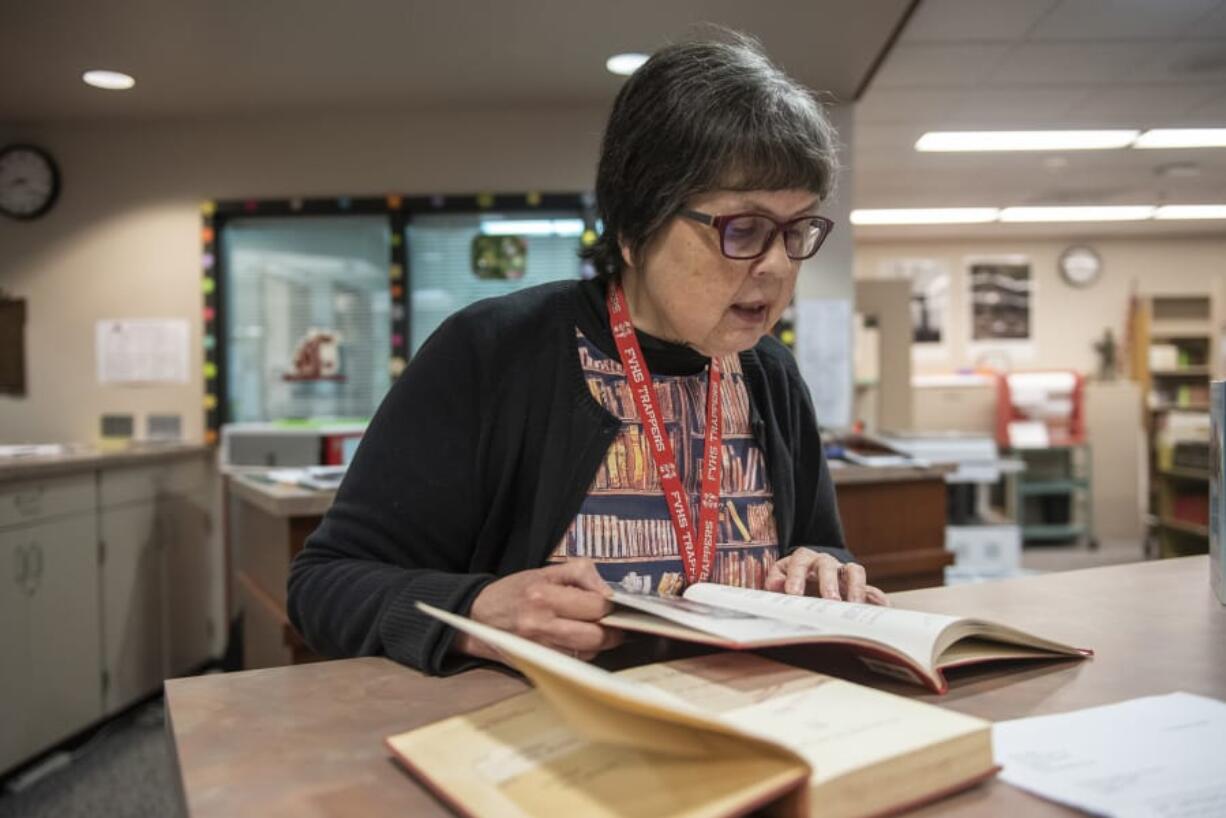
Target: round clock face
x=29 y=182
x=1080 y=266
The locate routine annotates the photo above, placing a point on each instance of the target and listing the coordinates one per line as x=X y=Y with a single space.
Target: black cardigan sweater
x=481 y=455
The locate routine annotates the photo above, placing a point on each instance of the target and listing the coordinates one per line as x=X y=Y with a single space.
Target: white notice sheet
x=143 y=350
x=1156 y=756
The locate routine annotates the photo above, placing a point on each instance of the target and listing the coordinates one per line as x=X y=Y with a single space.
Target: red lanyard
x=696 y=569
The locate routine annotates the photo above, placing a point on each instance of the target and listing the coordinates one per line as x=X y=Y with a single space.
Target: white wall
x=123 y=241
x=1066 y=321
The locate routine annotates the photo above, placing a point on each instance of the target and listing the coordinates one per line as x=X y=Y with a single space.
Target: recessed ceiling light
x=1182 y=138
x=1078 y=213
x=1025 y=140
x=1205 y=211
x=926 y=215
x=625 y=64
x=110 y=80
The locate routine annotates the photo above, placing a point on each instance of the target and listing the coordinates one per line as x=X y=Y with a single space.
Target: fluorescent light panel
x=1204 y=211
x=1182 y=138
x=1080 y=213
x=926 y=215
x=108 y=80
x=1025 y=140
x=625 y=64
x=532 y=227
x=1055 y=214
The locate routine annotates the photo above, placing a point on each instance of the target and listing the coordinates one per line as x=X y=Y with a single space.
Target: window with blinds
x=440 y=256
x=289 y=278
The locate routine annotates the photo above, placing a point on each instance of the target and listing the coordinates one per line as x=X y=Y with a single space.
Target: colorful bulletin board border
x=398 y=208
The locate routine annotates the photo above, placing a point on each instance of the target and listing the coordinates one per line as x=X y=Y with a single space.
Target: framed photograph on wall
x=931 y=284
x=1001 y=298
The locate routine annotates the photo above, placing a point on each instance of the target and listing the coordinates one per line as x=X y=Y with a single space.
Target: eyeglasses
x=749 y=235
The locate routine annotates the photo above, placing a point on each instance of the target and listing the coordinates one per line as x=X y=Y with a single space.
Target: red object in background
x=333 y=453
x=1064 y=431
x=1191 y=508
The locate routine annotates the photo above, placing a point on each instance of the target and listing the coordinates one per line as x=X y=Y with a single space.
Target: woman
x=535 y=428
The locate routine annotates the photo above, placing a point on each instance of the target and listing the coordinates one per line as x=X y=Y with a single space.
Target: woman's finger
x=826 y=572
x=852 y=579
x=568 y=635
x=800 y=565
x=777 y=576
x=876 y=596
x=581 y=573
x=570 y=602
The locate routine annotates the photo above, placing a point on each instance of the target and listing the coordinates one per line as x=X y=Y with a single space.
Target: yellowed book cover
x=718 y=735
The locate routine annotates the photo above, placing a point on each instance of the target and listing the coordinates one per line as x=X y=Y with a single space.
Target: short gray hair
x=703 y=115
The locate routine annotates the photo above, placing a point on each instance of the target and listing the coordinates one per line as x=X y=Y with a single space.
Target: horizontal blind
x=285 y=277
x=440 y=265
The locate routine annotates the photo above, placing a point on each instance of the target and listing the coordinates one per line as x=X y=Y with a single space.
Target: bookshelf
x=1173 y=360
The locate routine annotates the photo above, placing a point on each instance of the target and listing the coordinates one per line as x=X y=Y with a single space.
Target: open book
x=713 y=736
x=909 y=645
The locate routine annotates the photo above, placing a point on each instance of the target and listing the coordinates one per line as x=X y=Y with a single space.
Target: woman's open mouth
x=751 y=312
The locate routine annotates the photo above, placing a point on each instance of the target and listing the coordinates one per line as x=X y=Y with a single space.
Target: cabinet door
x=131 y=603
x=65 y=655
x=191 y=575
x=15 y=661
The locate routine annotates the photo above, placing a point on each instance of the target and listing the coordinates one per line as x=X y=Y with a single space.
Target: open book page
x=867 y=749
x=519 y=758
x=606 y=707
x=603 y=745
x=726 y=624
x=912 y=633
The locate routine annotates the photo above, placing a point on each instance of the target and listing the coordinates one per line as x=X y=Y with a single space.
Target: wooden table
x=307 y=740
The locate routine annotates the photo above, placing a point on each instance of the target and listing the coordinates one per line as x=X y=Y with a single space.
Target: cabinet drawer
x=28 y=501
x=184 y=476
x=130 y=485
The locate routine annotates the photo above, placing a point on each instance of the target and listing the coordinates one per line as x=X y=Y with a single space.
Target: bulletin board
x=12 y=346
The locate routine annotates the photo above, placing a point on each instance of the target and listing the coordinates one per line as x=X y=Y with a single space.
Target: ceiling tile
x=1187 y=61
x=912 y=66
x=1016 y=107
x=1142 y=106
x=1121 y=19
x=1212 y=112
x=1058 y=63
x=961 y=20
x=923 y=107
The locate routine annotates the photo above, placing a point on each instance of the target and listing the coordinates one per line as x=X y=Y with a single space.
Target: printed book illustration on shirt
x=624 y=524
x=910 y=645
x=719 y=735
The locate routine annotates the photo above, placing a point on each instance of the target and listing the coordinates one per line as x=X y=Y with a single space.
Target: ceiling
x=955 y=65
x=204 y=57
x=1050 y=64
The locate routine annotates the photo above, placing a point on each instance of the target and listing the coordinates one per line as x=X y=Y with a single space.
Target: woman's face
x=685 y=290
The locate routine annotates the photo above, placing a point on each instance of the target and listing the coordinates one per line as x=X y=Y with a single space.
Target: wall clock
x=29 y=181
x=1080 y=266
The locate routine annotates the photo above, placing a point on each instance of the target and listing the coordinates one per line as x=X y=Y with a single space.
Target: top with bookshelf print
x=623 y=524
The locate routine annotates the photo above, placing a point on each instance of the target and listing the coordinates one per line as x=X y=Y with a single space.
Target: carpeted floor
x=123 y=771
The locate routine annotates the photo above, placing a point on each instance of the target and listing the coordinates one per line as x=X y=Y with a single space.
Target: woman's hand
x=832 y=579
x=557 y=606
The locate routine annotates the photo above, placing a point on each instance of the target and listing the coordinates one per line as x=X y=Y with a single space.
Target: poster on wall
x=1001 y=299
x=142 y=350
x=930 y=286
x=823 y=353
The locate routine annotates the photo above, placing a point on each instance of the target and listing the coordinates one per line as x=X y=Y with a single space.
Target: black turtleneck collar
x=663 y=357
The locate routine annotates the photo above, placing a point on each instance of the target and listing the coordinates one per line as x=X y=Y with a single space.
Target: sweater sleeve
x=817 y=513
x=403 y=526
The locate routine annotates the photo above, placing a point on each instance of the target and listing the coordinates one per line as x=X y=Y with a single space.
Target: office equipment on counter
x=1152 y=756
x=290 y=443
x=986 y=544
x=706 y=736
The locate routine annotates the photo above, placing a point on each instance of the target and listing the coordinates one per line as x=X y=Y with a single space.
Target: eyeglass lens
x=747 y=237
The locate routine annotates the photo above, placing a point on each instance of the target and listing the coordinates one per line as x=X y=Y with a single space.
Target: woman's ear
x=627 y=254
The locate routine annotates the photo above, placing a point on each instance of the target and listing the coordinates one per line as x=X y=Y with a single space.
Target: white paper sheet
x=823 y=353
x=1155 y=757
x=142 y=350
